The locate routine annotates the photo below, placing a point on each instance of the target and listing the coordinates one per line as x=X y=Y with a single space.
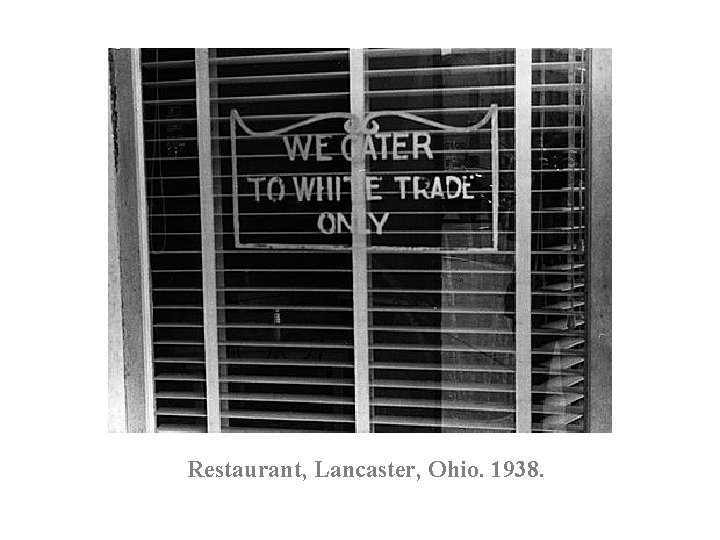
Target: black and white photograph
x=360 y=240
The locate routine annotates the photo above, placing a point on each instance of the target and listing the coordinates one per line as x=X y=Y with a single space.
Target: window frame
x=127 y=179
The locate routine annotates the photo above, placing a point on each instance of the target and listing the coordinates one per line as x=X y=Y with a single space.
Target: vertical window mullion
x=523 y=245
x=359 y=246
x=207 y=227
x=146 y=297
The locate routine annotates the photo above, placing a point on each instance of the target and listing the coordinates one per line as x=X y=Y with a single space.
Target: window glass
x=438 y=139
x=559 y=184
x=285 y=316
x=442 y=314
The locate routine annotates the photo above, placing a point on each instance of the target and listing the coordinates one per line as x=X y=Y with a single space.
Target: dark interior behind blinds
x=171 y=169
x=559 y=183
x=285 y=318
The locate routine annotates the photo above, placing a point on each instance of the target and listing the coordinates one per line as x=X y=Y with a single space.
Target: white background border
x=67 y=477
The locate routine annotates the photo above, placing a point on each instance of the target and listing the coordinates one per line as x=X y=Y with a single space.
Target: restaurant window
x=383 y=240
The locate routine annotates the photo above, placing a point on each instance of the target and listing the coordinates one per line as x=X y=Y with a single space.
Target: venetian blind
x=285 y=316
x=171 y=170
x=558 y=239
x=441 y=315
x=440 y=318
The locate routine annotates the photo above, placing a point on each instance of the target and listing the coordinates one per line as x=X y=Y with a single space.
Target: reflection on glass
x=441 y=317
